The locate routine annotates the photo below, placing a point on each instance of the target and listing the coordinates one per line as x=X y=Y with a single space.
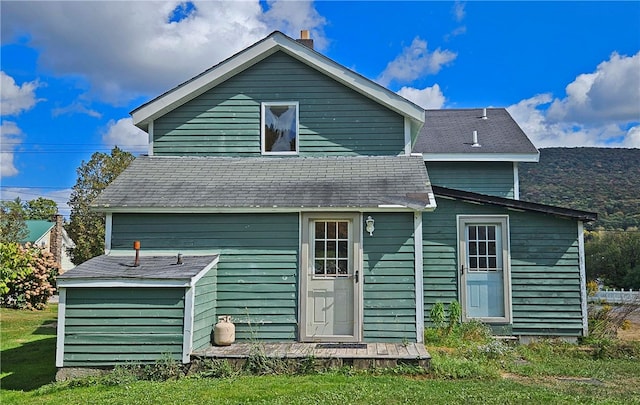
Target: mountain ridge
x=602 y=180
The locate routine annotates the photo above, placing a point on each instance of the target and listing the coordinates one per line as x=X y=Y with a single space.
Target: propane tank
x=224 y=332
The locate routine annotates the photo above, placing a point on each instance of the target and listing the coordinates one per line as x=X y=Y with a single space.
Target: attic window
x=279 y=133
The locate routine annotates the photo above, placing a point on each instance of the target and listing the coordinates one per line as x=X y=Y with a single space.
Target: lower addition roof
x=210 y=184
x=113 y=271
x=514 y=204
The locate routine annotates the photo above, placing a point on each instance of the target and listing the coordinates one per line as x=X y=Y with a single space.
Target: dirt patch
x=581 y=380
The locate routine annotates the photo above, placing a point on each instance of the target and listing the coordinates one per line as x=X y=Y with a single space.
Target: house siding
x=256 y=280
x=492 y=178
x=545 y=271
x=225 y=121
x=204 y=317
x=389 y=279
x=106 y=326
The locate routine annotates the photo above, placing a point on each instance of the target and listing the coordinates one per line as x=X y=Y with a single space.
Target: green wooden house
x=312 y=204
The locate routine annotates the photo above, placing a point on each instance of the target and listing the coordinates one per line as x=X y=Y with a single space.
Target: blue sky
x=568 y=72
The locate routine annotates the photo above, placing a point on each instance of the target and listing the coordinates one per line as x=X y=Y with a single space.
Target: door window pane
x=483 y=253
x=331 y=230
x=331 y=248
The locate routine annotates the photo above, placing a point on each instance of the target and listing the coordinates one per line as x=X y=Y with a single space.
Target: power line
x=38 y=187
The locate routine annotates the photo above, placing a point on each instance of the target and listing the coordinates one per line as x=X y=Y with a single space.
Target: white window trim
x=503 y=220
x=265 y=104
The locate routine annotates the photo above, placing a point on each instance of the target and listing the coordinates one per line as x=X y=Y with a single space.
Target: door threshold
x=341 y=345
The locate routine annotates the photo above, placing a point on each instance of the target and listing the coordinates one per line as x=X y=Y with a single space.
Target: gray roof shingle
x=176 y=183
x=451 y=132
x=151 y=267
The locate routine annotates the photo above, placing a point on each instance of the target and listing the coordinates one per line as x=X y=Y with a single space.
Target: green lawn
x=535 y=374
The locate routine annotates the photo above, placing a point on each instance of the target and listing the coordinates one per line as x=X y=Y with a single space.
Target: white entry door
x=484 y=268
x=331 y=278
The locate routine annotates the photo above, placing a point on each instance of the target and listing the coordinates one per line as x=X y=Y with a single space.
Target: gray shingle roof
x=177 y=183
x=451 y=132
x=151 y=267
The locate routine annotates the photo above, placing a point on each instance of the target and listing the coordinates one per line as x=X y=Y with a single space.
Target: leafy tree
x=86 y=227
x=614 y=257
x=27 y=276
x=12 y=217
x=41 y=208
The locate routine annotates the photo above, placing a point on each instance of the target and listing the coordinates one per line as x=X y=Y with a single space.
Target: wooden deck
x=374 y=355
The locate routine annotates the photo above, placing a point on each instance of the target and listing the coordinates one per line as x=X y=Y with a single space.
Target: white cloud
x=76 y=108
x=285 y=17
x=135 y=49
x=415 y=61
x=632 y=138
x=601 y=108
x=458 y=11
x=427 y=98
x=125 y=135
x=16 y=99
x=610 y=94
x=10 y=138
x=530 y=114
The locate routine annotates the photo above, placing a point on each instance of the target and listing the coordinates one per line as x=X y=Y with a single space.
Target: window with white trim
x=279 y=131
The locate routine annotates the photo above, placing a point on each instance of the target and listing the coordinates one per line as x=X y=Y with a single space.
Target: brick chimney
x=55 y=240
x=305 y=40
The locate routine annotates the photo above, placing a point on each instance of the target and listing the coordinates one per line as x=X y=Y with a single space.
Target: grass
x=468 y=367
x=28 y=342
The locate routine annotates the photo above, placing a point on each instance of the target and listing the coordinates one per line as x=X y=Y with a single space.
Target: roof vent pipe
x=475 y=140
x=484 y=113
x=136 y=247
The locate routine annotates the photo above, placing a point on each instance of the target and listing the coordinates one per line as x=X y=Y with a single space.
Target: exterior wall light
x=370 y=228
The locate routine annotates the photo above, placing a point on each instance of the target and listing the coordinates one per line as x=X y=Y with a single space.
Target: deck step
x=366 y=355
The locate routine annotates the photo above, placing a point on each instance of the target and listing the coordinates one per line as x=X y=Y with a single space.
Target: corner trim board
x=419 y=274
x=583 y=280
x=150 y=132
x=60 y=330
x=187 y=333
x=108 y=227
x=516 y=181
x=407 y=136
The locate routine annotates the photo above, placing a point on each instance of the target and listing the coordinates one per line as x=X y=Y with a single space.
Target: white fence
x=617 y=297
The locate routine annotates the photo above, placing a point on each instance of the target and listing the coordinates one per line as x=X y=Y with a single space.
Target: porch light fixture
x=370 y=228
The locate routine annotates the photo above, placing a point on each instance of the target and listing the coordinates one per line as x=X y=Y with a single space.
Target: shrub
x=605 y=320
x=27 y=276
